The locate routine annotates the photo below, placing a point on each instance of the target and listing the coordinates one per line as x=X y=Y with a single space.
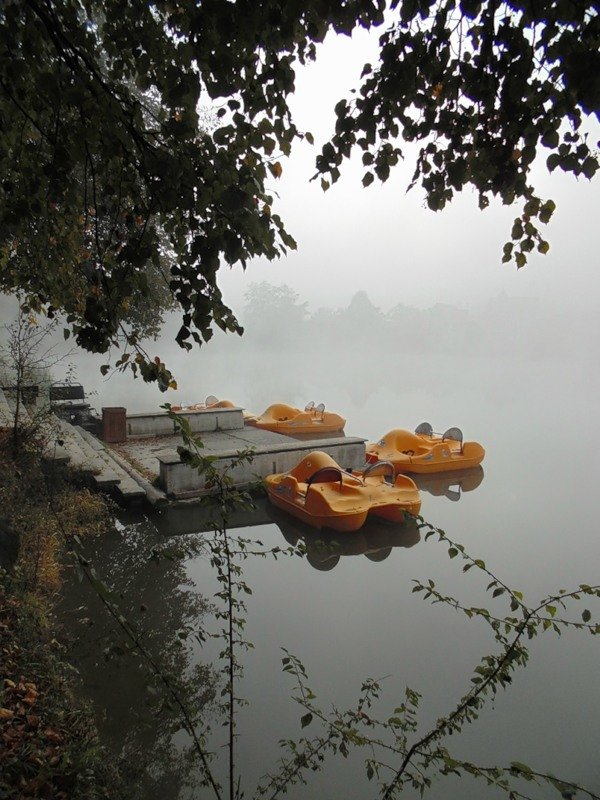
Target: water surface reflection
x=450 y=484
x=361 y=619
x=167 y=612
x=375 y=540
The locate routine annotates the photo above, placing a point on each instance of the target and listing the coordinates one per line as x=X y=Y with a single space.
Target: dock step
x=60 y=436
x=128 y=487
x=95 y=460
x=155 y=496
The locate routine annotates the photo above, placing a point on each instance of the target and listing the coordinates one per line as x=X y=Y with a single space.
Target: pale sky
x=385 y=241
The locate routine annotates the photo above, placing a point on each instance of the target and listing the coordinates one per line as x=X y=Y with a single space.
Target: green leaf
x=520 y=259
x=546 y=211
x=518 y=766
x=552 y=162
x=586 y=615
x=589 y=167
x=543 y=247
x=306 y=720
x=517 y=230
x=524 y=770
x=550 y=140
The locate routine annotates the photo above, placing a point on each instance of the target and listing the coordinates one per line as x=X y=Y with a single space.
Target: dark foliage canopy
x=112 y=181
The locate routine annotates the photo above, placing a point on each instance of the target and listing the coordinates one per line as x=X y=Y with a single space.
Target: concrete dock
x=136 y=457
x=271 y=453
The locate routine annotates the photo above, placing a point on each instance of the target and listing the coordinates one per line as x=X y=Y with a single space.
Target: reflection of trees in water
x=165 y=607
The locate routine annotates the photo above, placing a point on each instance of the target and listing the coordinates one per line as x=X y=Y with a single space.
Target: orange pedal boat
x=425 y=451
x=321 y=494
x=281 y=418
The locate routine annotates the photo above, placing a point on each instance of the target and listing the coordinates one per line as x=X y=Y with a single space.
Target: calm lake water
x=349 y=612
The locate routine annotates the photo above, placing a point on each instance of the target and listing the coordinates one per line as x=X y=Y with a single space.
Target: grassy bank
x=48 y=743
x=43 y=506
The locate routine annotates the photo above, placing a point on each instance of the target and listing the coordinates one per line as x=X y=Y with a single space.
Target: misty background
x=385 y=296
x=291 y=353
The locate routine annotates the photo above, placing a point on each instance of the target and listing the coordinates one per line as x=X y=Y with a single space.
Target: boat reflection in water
x=450 y=484
x=375 y=540
x=324 y=548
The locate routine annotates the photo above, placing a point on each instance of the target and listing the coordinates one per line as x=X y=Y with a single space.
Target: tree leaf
x=368 y=179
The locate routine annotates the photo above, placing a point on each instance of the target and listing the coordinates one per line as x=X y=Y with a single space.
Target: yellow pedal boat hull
x=422 y=453
x=282 y=418
x=320 y=494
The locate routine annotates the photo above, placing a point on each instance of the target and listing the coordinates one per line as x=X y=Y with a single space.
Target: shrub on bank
x=48 y=742
x=40 y=503
x=49 y=747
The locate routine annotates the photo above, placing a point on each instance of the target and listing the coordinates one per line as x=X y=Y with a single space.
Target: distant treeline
x=276 y=317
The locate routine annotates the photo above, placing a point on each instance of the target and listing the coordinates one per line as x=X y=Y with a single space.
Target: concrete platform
x=158 y=423
x=148 y=466
x=272 y=452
